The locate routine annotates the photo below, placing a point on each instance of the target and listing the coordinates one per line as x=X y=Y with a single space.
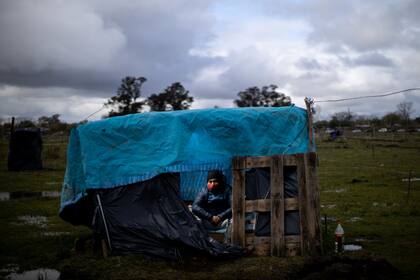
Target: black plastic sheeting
x=25 y=150
x=149 y=218
x=257 y=186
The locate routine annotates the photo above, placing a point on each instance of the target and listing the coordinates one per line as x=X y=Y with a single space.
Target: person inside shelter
x=213 y=204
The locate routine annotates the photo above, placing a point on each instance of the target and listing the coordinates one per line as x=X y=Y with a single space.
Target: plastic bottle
x=339 y=238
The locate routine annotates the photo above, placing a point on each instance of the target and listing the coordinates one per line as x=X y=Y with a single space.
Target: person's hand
x=215 y=220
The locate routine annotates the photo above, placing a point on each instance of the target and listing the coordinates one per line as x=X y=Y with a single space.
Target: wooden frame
x=307 y=203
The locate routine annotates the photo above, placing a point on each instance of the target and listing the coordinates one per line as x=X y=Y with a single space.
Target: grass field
x=362 y=183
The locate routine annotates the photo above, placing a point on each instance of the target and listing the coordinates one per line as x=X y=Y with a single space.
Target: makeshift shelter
x=127 y=176
x=25 y=150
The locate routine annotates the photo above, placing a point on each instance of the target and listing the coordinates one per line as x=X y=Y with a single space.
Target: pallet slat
x=312 y=205
x=264 y=205
x=307 y=203
x=238 y=203
x=277 y=206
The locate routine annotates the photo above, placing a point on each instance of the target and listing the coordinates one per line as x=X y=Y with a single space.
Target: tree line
x=399 y=119
x=176 y=97
x=128 y=100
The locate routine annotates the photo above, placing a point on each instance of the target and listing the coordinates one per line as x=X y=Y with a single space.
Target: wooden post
x=309 y=103
x=312 y=205
x=409 y=186
x=277 y=207
x=104 y=247
x=301 y=179
x=238 y=202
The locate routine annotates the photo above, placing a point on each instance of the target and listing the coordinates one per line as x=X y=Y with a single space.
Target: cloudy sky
x=68 y=57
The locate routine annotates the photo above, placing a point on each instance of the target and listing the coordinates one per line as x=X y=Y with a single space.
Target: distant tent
x=126 y=176
x=25 y=150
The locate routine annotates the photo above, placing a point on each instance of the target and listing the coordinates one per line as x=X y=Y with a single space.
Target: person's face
x=212 y=184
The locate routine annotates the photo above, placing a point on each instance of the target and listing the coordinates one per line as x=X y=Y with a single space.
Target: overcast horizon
x=68 y=57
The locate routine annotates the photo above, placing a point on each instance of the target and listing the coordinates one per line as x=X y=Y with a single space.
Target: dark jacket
x=217 y=203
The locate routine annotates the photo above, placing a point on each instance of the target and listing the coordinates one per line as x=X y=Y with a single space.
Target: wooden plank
x=261 y=245
x=238 y=204
x=258 y=205
x=252 y=239
x=264 y=205
x=301 y=179
x=258 y=162
x=312 y=205
x=277 y=207
x=292 y=239
x=291 y=204
x=292 y=249
x=262 y=250
x=238 y=163
x=289 y=160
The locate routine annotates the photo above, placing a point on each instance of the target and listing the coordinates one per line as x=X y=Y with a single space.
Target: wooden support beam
x=258 y=205
x=264 y=205
x=291 y=204
x=238 y=202
x=309 y=104
x=258 y=162
x=312 y=205
x=261 y=245
x=301 y=178
x=289 y=160
x=277 y=207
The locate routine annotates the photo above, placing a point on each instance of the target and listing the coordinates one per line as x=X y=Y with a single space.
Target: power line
x=366 y=96
x=103 y=107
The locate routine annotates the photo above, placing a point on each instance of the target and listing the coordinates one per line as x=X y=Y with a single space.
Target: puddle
x=6 y=196
x=412 y=179
x=336 y=191
x=40 y=221
x=355 y=219
x=329 y=219
x=376 y=204
x=352 y=247
x=50 y=194
x=366 y=240
x=42 y=273
x=9 y=268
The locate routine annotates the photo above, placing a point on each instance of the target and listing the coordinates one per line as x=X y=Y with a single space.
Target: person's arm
x=227 y=214
x=198 y=207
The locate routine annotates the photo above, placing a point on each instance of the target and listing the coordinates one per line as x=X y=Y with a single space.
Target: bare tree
x=405 y=109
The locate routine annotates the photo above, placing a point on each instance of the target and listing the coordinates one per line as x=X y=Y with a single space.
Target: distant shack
x=25 y=150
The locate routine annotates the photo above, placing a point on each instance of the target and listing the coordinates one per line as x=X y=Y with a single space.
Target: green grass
x=371 y=188
x=361 y=184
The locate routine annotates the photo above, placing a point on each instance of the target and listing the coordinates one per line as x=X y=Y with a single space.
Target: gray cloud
x=93 y=44
x=369 y=59
x=71 y=55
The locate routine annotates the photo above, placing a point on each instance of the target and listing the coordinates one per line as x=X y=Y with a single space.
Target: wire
x=366 y=96
x=103 y=107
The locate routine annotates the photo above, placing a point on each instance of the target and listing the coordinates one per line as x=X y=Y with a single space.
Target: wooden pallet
x=308 y=242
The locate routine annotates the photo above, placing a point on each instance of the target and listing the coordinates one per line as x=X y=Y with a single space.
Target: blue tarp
x=123 y=150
